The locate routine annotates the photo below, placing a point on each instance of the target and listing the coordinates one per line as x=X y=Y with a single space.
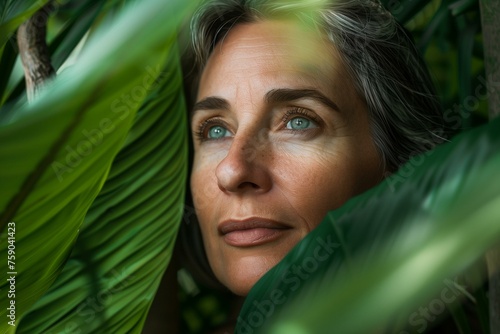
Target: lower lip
x=253 y=236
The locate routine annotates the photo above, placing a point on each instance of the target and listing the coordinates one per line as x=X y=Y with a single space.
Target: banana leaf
x=128 y=235
x=385 y=252
x=57 y=153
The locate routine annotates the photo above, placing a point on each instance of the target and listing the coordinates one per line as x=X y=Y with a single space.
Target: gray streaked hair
x=385 y=66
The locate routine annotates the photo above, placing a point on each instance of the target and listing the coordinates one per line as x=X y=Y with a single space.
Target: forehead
x=299 y=43
x=268 y=50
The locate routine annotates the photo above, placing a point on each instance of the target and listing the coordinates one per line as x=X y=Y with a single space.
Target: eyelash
x=200 y=133
x=289 y=114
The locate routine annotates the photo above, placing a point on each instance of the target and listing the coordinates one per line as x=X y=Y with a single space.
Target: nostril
x=248 y=185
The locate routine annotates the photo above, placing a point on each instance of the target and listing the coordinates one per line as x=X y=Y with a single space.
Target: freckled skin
x=261 y=167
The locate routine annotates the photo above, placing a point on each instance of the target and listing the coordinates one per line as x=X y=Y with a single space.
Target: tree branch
x=34 y=51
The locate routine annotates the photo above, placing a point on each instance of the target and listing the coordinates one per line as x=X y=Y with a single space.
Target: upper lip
x=231 y=225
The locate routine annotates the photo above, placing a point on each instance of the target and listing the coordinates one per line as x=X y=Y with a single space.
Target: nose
x=244 y=168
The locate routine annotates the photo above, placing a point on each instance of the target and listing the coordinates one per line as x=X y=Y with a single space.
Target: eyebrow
x=211 y=103
x=282 y=95
x=274 y=96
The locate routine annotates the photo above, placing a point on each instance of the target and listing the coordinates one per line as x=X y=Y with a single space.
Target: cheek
x=206 y=195
x=316 y=196
x=317 y=183
x=203 y=195
x=203 y=182
x=202 y=190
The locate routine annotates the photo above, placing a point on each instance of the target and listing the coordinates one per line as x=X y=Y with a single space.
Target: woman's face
x=280 y=138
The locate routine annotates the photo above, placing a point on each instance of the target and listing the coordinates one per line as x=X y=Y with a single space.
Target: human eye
x=212 y=129
x=300 y=119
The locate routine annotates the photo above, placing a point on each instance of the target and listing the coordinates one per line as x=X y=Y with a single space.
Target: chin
x=240 y=275
x=242 y=289
x=241 y=286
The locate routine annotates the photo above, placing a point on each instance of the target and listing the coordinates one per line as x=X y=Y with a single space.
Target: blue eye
x=300 y=119
x=217 y=132
x=298 y=123
x=212 y=129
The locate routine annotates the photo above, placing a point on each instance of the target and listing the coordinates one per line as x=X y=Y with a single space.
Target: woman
x=297 y=107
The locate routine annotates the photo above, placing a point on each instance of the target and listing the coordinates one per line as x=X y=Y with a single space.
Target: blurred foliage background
x=448 y=35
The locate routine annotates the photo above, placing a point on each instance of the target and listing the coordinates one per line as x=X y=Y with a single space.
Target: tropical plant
x=93 y=170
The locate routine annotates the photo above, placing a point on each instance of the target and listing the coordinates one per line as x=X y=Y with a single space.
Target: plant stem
x=34 y=51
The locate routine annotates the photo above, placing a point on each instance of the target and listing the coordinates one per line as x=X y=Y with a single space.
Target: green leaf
x=467 y=33
x=74 y=30
x=129 y=232
x=439 y=18
x=51 y=170
x=427 y=222
x=461 y=320
x=7 y=62
x=405 y=10
x=461 y=6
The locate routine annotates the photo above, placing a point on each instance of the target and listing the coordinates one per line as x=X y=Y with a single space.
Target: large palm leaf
x=56 y=156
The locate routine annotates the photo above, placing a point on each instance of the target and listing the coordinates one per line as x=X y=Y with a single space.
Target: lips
x=251 y=231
